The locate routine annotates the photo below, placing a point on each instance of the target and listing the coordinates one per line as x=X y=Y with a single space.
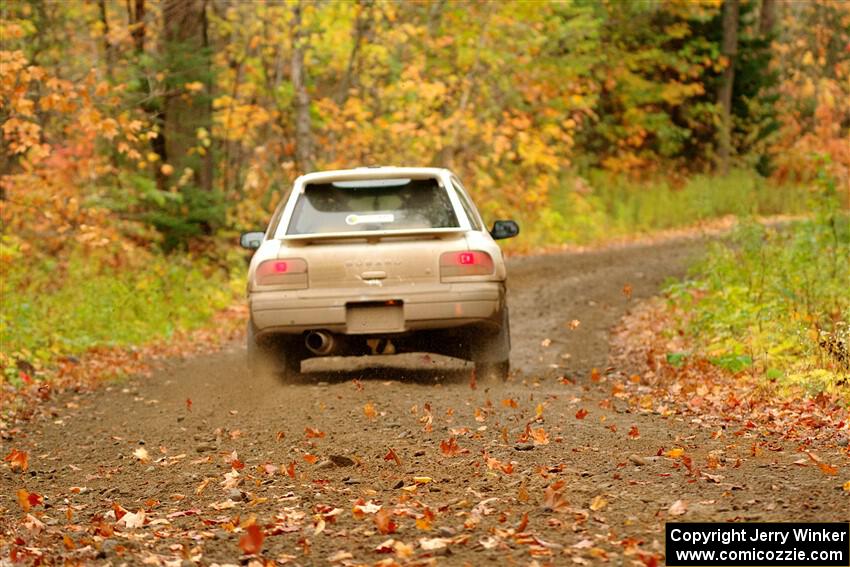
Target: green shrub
x=52 y=309
x=775 y=301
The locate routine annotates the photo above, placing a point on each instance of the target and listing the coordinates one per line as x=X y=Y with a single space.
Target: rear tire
x=278 y=357
x=491 y=353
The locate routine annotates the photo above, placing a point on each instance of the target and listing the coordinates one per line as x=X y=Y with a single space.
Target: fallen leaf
x=310 y=458
x=251 y=542
x=142 y=455
x=598 y=503
x=18 y=460
x=627 y=291
x=846 y=486
x=545 y=342
x=449 y=447
x=311 y=433
x=675 y=453
x=677 y=508
x=369 y=411
x=188 y=404
x=340 y=555
x=581 y=413
x=574 y=324
x=510 y=403
x=827 y=469
x=633 y=432
x=384 y=521
x=539 y=436
x=132 y=521
x=392 y=456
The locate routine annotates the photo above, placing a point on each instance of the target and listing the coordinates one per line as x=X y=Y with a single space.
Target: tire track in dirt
x=90 y=440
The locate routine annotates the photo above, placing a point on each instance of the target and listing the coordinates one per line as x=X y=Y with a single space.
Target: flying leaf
x=369 y=411
x=311 y=433
x=392 y=456
x=251 y=542
x=449 y=447
x=18 y=460
x=384 y=521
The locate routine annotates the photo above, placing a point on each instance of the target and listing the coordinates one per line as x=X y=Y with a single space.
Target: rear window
x=378 y=204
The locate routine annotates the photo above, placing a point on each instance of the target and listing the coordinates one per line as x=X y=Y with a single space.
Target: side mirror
x=504 y=229
x=251 y=240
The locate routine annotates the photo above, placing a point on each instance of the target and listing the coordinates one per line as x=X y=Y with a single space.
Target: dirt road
x=471 y=463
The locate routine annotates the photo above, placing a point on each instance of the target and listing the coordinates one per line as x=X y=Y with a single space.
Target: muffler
x=320 y=342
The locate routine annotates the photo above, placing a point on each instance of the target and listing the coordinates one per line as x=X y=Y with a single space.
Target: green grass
x=773 y=301
x=603 y=207
x=52 y=309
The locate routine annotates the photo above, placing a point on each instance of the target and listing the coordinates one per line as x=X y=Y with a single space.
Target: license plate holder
x=367 y=318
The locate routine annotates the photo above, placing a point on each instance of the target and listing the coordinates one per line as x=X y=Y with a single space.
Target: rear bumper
x=441 y=306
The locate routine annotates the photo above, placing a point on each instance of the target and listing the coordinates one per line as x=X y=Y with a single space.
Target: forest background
x=140 y=137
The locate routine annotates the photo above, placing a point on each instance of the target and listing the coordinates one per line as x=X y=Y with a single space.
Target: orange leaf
x=595 y=376
x=553 y=497
x=189 y=404
x=313 y=433
x=251 y=541
x=675 y=453
x=633 y=432
x=384 y=521
x=311 y=458
x=449 y=447
x=827 y=469
x=23 y=499
x=522 y=523
x=581 y=413
x=627 y=291
x=280 y=436
x=369 y=411
x=509 y=403
x=290 y=470
x=391 y=456
x=539 y=436
x=18 y=460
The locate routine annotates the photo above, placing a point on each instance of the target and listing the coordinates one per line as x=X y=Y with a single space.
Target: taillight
x=290 y=272
x=466 y=263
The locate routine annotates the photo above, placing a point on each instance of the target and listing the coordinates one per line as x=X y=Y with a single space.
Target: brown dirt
x=612 y=505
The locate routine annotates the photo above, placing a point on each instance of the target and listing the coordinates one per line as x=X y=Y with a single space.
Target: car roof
x=381 y=172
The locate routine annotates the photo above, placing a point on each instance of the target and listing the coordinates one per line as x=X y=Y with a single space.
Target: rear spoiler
x=374 y=234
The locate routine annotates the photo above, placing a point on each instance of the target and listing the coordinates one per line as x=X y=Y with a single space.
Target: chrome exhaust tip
x=319 y=342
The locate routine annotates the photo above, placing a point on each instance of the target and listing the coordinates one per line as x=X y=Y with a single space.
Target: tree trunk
x=303 y=134
x=729 y=50
x=186 y=50
x=108 y=55
x=767 y=18
x=136 y=16
x=361 y=27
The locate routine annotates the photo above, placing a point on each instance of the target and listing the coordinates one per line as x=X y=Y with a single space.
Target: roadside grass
x=605 y=207
x=775 y=304
x=53 y=310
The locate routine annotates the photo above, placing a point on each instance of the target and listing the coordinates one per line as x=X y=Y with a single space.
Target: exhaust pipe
x=320 y=342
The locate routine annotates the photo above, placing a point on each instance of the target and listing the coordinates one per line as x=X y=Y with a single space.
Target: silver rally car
x=378 y=260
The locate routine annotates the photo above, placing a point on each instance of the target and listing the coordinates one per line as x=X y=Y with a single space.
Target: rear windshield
x=379 y=204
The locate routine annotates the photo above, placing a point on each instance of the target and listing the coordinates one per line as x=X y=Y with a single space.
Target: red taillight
x=291 y=272
x=471 y=263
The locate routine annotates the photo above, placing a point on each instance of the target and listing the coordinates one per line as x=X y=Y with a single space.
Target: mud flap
x=493 y=348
